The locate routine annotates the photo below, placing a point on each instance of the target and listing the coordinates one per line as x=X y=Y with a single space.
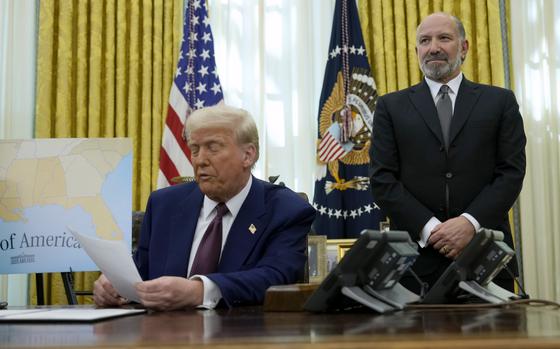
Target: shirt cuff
x=427 y=231
x=212 y=293
x=473 y=221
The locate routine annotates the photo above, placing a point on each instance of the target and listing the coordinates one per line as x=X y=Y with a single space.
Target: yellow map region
x=72 y=178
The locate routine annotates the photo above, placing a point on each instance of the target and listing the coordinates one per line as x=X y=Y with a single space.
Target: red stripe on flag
x=176 y=127
x=167 y=166
x=336 y=153
x=327 y=143
x=330 y=149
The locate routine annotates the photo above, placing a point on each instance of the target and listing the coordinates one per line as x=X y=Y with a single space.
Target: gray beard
x=440 y=72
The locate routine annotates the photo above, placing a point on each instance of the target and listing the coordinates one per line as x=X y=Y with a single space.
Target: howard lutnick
x=63 y=240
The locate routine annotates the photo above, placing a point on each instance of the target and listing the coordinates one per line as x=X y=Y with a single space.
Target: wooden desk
x=519 y=327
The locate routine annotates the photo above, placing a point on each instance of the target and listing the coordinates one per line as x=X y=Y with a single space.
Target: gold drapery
x=104 y=69
x=389 y=29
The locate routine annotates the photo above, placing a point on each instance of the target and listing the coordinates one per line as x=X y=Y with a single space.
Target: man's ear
x=249 y=155
x=464 y=49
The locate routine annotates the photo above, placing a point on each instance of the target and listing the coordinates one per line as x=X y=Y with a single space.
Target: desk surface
x=517 y=327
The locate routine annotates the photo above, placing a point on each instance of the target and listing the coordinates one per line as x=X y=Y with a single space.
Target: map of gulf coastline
x=47 y=185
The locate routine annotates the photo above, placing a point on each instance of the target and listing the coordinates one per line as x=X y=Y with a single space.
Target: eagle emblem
x=345 y=125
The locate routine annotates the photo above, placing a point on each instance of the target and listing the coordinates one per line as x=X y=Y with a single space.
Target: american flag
x=196 y=85
x=330 y=148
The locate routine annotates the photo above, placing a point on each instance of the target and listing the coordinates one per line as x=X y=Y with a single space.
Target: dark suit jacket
x=250 y=263
x=484 y=167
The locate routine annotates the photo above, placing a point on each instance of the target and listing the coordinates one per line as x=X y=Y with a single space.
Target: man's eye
x=214 y=147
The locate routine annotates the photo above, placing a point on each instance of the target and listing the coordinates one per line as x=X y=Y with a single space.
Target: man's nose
x=434 y=47
x=201 y=158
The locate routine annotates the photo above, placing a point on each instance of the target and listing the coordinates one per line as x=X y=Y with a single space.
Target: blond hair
x=222 y=116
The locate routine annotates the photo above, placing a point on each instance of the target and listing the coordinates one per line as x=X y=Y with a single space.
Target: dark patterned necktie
x=445 y=112
x=208 y=253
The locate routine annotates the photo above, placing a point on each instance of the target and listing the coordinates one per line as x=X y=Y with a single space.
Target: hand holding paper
x=115 y=261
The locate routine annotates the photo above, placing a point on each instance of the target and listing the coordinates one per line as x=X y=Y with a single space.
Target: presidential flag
x=196 y=85
x=342 y=197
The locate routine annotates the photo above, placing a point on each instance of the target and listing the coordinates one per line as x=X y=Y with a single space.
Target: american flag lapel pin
x=252 y=229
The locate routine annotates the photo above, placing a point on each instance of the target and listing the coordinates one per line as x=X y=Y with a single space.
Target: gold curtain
x=104 y=69
x=389 y=29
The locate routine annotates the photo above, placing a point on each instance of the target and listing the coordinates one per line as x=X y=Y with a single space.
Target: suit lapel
x=182 y=227
x=467 y=96
x=242 y=237
x=424 y=103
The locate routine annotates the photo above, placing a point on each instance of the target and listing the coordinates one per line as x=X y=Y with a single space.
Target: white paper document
x=115 y=261
x=64 y=314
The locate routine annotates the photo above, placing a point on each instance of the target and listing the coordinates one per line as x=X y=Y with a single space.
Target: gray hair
x=460 y=28
x=223 y=116
x=458 y=24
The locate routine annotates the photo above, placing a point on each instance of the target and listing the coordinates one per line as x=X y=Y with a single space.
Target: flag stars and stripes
x=353 y=51
x=206 y=37
x=216 y=88
x=203 y=70
x=205 y=54
x=201 y=88
x=193 y=37
x=196 y=85
x=344 y=214
x=199 y=103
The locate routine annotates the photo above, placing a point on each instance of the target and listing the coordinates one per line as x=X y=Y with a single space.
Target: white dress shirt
x=212 y=293
x=453 y=90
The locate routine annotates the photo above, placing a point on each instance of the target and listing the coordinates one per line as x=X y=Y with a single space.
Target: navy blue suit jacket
x=483 y=168
x=251 y=262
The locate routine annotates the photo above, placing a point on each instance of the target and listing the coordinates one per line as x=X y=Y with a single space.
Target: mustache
x=439 y=57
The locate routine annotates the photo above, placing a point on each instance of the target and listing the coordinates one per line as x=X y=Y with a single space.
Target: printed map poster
x=47 y=185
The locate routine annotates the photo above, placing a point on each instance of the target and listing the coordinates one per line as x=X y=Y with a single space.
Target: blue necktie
x=208 y=253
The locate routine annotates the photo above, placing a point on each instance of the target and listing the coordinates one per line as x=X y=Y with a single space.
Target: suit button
x=442 y=148
x=449 y=175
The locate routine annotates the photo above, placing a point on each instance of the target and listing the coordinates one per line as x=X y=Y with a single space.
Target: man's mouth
x=204 y=177
x=436 y=59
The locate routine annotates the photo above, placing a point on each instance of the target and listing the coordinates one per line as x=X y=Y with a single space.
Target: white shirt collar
x=453 y=85
x=233 y=204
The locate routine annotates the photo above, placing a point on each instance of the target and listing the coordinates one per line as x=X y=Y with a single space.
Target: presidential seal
x=345 y=125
